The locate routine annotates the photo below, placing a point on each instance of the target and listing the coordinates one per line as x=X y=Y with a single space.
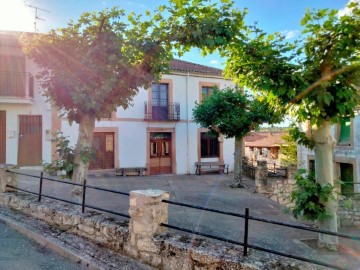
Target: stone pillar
x=261 y=176
x=147 y=212
x=290 y=171
x=7 y=178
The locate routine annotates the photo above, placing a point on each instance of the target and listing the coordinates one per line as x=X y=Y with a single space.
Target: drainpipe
x=187 y=123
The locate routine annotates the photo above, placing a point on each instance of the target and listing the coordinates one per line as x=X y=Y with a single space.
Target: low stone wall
x=166 y=251
x=349 y=213
x=277 y=189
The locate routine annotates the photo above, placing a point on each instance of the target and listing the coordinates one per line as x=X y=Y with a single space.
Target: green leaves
x=232 y=113
x=310 y=197
x=99 y=62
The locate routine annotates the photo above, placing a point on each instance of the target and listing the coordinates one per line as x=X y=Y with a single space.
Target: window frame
x=210 y=152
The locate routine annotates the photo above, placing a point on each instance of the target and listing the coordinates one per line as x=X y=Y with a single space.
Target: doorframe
x=114 y=130
x=173 y=147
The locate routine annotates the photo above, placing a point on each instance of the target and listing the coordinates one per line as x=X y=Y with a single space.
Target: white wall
x=37 y=107
x=132 y=127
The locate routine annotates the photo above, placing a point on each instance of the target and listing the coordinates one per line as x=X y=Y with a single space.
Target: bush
x=65 y=152
x=310 y=197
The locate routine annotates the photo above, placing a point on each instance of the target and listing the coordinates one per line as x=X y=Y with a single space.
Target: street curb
x=52 y=243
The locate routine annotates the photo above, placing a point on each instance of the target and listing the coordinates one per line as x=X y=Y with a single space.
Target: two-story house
x=157 y=132
x=346 y=153
x=25 y=117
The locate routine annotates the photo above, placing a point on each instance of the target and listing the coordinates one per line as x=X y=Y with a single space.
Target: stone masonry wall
x=167 y=251
x=279 y=190
x=349 y=213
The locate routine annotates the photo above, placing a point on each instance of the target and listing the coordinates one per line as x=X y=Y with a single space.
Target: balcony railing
x=16 y=85
x=162 y=111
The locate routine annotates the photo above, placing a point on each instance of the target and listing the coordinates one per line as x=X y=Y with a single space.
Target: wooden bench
x=124 y=171
x=211 y=167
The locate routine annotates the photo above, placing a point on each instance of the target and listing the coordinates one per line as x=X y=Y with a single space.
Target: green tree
x=289 y=151
x=234 y=114
x=98 y=63
x=316 y=78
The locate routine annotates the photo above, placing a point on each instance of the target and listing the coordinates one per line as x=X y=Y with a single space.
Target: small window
x=345 y=129
x=209 y=145
x=206 y=91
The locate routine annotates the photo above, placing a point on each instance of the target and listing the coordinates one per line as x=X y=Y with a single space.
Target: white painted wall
x=38 y=106
x=132 y=127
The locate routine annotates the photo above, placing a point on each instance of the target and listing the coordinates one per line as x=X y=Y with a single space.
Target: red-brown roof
x=185 y=67
x=264 y=139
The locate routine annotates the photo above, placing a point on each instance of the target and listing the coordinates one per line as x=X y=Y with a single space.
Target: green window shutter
x=345 y=131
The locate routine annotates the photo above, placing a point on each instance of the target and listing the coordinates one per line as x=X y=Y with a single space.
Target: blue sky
x=271 y=15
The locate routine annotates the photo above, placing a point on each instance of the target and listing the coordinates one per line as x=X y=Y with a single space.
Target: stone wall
x=279 y=190
x=276 y=188
x=349 y=213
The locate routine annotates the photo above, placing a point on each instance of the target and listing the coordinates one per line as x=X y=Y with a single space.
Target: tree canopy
x=97 y=64
x=316 y=78
x=234 y=114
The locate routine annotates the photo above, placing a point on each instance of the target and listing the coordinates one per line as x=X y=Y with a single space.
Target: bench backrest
x=208 y=163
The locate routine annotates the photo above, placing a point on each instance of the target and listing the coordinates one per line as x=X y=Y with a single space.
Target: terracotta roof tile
x=264 y=139
x=185 y=67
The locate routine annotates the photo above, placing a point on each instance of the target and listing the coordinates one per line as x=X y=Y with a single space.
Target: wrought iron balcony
x=162 y=111
x=15 y=86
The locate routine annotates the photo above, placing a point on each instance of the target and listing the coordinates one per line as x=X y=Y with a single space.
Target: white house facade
x=25 y=117
x=346 y=153
x=156 y=132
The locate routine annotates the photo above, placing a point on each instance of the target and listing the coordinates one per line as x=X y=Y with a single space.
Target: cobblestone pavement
x=18 y=253
x=211 y=190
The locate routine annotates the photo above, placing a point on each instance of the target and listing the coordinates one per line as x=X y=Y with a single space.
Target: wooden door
x=103 y=144
x=160 y=153
x=2 y=137
x=30 y=140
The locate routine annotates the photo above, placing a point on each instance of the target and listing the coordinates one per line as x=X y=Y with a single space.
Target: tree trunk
x=85 y=138
x=238 y=164
x=324 y=171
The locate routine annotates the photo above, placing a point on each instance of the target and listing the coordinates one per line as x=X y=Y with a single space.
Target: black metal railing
x=84 y=187
x=246 y=216
x=162 y=111
x=16 y=84
x=245 y=244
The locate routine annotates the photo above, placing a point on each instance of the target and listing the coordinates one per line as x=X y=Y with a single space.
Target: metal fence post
x=40 y=187
x=83 y=197
x=246 y=231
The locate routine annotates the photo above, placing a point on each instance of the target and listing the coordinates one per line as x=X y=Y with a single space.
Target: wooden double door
x=160 y=153
x=103 y=145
